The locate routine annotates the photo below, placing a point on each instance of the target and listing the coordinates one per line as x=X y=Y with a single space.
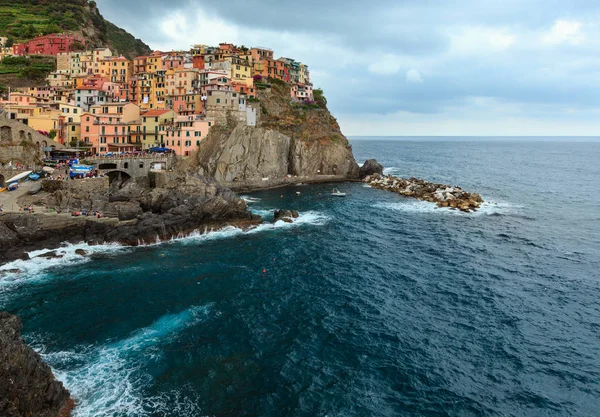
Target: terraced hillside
x=24 y=19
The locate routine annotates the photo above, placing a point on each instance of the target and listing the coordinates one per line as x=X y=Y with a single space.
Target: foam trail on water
x=110 y=380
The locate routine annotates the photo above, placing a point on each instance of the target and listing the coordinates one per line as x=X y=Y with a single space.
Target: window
x=186 y=133
x=87 y=128
x=156 y=119
x=218 y=100
x=72 y=128
x=74 y=111
x=141 y=165
x=197 y=143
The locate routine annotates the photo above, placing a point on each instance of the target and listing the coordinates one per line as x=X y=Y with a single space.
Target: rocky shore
x=134 y=212
x=443 y=195
x=27 y=385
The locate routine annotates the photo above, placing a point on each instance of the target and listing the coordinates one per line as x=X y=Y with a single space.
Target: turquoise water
x=372 y=305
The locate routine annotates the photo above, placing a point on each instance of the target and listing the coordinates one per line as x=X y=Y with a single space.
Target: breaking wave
x=109 y=380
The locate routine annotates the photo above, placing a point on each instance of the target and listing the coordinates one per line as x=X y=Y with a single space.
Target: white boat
x=19 y=177
x=337 y=193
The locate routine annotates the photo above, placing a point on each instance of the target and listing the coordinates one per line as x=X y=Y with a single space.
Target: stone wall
x=20 y=143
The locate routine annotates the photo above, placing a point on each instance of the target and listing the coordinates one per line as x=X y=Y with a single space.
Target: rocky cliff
x=27 y=385
x=291 y=139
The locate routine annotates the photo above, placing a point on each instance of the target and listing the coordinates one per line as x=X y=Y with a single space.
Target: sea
x=369 y=305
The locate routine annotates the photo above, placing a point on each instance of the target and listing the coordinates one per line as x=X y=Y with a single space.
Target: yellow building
x=153 y=126
x=73 y=133
x=180 y=81
x=116 y=70
x=44 y=120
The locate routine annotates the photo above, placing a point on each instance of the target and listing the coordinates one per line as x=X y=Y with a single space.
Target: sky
x=411 y=67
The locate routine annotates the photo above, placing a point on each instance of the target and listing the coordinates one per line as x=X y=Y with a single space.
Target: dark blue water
x=372 y=305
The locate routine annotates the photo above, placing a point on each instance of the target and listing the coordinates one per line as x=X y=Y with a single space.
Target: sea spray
x=109 y=380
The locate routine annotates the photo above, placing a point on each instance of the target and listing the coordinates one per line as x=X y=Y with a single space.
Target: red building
x=48 y=45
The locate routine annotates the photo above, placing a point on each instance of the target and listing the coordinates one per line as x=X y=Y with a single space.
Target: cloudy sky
x=411 y=67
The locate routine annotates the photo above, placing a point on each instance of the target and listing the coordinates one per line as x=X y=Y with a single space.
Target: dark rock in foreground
x=443 y=195
x=27 y=386
x=285 y=215
x=370 y=167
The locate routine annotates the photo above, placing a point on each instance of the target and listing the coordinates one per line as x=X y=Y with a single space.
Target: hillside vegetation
x=22 y=20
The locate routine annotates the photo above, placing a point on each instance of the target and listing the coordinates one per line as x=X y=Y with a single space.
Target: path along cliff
x=291 y=143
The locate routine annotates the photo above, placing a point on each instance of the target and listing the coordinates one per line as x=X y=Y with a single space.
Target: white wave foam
x=109 y=380
x=426 y=207
x=35 y=266
x=262 y=213
x=34 y=269
x=391 y=171
x=249 y=200
x=313 y=218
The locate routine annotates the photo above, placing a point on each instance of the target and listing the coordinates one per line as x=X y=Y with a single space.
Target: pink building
x=185 y=135
x=301 y=92
x=52 y=44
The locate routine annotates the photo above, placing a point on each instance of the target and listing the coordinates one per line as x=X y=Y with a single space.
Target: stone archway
x=5 y=134
x=117 y=178
x=21 y=135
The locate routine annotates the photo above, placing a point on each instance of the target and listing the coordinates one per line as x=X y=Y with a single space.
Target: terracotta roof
x=154 y=113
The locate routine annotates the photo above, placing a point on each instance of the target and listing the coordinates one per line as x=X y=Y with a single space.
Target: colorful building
x=52 y=44
x=185 y=135
x=153 y=123
x=106 y=127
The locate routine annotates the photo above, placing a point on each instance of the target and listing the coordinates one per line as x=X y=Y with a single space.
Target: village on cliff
x=105 y=103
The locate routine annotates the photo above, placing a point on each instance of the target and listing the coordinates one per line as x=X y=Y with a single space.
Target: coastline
x=54 y=230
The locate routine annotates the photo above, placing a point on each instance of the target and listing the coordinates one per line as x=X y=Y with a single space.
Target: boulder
x=80 y=252
x=35 y=188
x=27 y=387
x=128 y=210
x=285 y=215
x=370 y=167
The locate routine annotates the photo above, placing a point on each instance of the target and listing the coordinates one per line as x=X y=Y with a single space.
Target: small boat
x=13 y=186
x=298 y=193
x=34 y=177
x=337 y=193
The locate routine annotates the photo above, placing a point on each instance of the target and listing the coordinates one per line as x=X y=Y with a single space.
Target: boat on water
x=337 y=193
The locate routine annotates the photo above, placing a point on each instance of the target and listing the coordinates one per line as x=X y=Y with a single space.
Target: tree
x=52 y=134
x=9 y=43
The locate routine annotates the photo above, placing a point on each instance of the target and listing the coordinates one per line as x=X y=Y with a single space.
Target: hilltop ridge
x=22 y=20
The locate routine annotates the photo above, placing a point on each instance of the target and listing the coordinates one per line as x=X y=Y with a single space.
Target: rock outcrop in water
x=133 y=212
x=287 y=216
x=290 y=141
x=27 y=386
x=443 y=195
x=370 y=167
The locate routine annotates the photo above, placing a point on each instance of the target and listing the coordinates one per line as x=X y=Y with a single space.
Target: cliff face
x=27 y=385
x=290 y=139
